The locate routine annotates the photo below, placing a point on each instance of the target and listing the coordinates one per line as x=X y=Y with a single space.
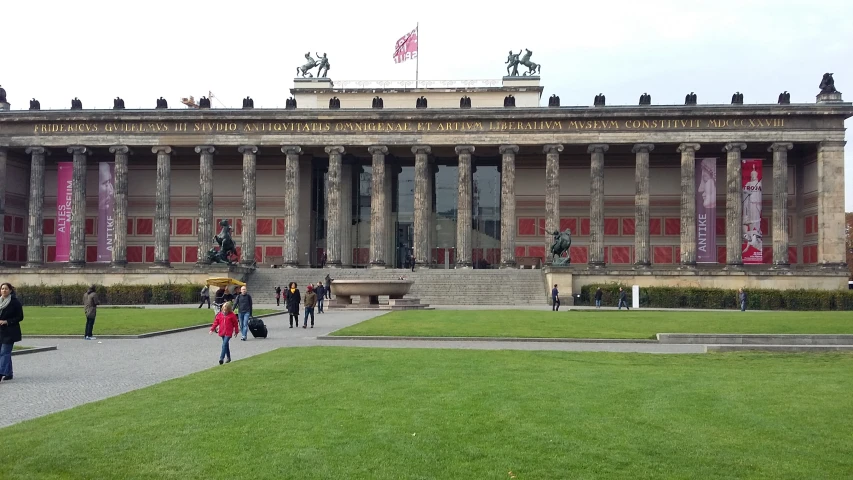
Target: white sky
x=96 y=50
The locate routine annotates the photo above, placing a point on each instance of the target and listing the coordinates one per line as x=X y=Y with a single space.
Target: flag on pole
x=406 y=47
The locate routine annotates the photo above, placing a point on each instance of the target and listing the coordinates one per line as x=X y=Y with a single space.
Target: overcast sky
x=97 y=50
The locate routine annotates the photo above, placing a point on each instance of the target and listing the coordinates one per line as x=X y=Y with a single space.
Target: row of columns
x=423 y=203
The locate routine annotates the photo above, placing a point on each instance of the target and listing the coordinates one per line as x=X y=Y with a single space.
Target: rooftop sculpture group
x=827 y=84
x=162 y=103
x=248 y=102
x=321 y=64
x=118 y=103
x=513 y=61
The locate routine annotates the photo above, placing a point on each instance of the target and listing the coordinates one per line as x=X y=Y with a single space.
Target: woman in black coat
x=292 y=300
x=11 y=315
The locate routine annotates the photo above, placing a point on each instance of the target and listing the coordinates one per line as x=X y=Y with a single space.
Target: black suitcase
x=257 y=327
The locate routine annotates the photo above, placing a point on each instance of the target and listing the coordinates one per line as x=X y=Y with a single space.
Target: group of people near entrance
x=314 y=297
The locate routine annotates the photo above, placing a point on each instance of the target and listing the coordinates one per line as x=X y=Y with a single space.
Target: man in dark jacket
x=623 y=299
x=555 y=299
x=90 y=306
x=742 y=299
x=244 y=306
x=11 y=315
x=598 y=295
x=320 y=290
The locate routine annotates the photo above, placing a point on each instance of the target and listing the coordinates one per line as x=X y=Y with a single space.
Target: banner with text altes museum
x=106 y=206
x=65 y=172
x=706 y=210
x=751 y=198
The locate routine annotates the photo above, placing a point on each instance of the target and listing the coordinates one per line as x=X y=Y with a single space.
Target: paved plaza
x=79 y=371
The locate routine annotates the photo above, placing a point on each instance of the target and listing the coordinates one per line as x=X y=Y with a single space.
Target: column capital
x=839 y=144
x=505 y=149
x=422 y=149
x=377 y=150
x=780 y=146
x=732 y=147
x=37 y=151
x=291 y=149
x=464 y=149
x=643 y=147
x=79 y=150
x=161 y=149
x=553 y=148
x=120 y=150
x=335 y=150
x=688 y=147
x=598 y=148
x=244 y=149
x=208 y=149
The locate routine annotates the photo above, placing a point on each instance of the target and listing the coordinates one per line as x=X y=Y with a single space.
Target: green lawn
x=19 y=347
x=113 y=321
x=594 y=324
x=337 y=412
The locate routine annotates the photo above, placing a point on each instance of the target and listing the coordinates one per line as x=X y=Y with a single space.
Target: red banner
x=406 y=47
x=751 y=199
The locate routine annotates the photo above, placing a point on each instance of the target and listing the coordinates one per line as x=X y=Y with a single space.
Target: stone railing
x=420 y=83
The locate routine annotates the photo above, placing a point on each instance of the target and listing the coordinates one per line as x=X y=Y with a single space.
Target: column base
x=119 y=264
x=643 y=265
x=76 y=264
x=334 y=264
x=596 y=265
x=289 y=265
x=687 y=266
x=833 y=266
x=734 y=266
x=463 y=265
x=508 y=265
x=377 y=264
x=34 y=265
x=781 y=266
x=161 y=264
x=247 y=263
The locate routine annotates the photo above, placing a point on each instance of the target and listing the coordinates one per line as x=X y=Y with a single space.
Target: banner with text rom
x=106 y=205
x=64 y=175
x=751 y=199
x=706 y=210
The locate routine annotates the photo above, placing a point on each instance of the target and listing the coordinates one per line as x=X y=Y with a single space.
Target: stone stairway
x=434 y=287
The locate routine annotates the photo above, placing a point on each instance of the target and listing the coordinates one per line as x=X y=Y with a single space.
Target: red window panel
x=579 y=255
x=7 y=224
x=91 y=253
x=536 y=251
x=541 y=227
x=184 y=226
x=263 y=226
x=238 y=227
x=526 y=226
x=628 y=227
x=654 y=226
x=570 y=223
x=520 y=251
x=134 y=254
x=259 y=254
x=765 y=225
x=51 y=253
x=721 y=226
x=190 y=254
x=672 y=226
x=130 y=226
x=145 y=226
x=493 y=255
x=11 y=253
x=176 y=254
x=438 y=255
x=620 y=255
x=452 y=254
x=22 y=253
x=812 y=254
x=149 y=254
x=662 y=254
x=792 y=255
x=611 y=226
x=274 y=251
x=90 y=226
x=239 y=252
x=279 y=226
x=584 y=226
x=808 y=225
x=361 y=256
x=19 y=225
x=48 y=226
x=721 y=254
x=767 y=255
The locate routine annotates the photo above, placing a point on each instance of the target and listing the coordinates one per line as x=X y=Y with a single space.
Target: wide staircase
x=432 y=286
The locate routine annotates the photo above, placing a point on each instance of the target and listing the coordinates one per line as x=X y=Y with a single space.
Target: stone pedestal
x=596 y=205
x=163 y=209
x=249 y=233
x=378 y=207
x=77 y=257
x=508 y=223
x=552 y=196
x=291 y=205
x=780 y=203
x=333 y=207
x=119 y=259
x=205 y=203
x=36 y=206
x=300 y=83
x=829 y=97
x=688 y=203
x=734 y=205
x=423 y=204
x=5 y=107
x=641 y=205
x=464 y=207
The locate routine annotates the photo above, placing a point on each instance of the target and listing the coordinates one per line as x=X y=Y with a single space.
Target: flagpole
x=418 y=58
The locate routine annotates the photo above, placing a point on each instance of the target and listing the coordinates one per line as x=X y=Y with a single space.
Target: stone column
x=163 y=209
x=508 y=222
x=346 y=214
x=780 y=203
x=642 y=249
x=77 y=257
x=734 y=205
x=248 y=235
x=205 y=203
x=35 y=235
x=378 y=208
x=121 y=153
x=4 y=152
x=333 y=209
x=423 y=204
x=463 y=207
x=291 y=205
x=688 y=203
x=596 y=205
x=552 y=196
x=831 y=251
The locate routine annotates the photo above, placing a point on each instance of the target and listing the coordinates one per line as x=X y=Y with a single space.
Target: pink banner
x=406 y=47
x=106 y=204
x=63 y=210
x=706 y=210
x=751 y=197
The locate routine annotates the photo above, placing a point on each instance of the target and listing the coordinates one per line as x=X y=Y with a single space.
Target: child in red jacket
x=226 y=321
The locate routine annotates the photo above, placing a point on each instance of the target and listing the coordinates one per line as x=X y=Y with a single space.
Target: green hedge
x=166 y=294
x=757 y=299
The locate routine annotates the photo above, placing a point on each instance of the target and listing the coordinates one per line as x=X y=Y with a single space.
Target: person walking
x=244 y=306
x=598 y=295
x=310 y=302
x=320 y=290
x=205 y=296
x=277 y=296
x=623 y=299
x=226 y=324
x=292 y=299
x=11 y=315
x=90 y=306
x=219 y=299
x=741 y=294
x=328 y=286
x=555 y=299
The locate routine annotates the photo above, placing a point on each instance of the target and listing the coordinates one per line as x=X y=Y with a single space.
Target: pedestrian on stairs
x=555 y=299
x=292 y=299
x=328 y=286
x=277 y=296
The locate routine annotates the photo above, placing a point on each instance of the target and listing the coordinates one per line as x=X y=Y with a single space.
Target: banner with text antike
x=63 y=210
x=751 y=199
x=706 y=210
x=106 y=206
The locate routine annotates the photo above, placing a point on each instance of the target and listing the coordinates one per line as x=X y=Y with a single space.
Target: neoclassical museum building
x=454 y=174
